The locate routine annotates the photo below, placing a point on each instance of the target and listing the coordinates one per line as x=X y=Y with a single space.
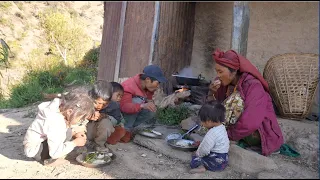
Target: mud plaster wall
x=275 y=28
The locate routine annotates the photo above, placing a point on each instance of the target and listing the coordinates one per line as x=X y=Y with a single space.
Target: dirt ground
x=130 y=161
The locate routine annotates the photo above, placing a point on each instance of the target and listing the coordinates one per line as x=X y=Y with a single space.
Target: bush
x=65 y=35
x=80 y=76
x=91 y=58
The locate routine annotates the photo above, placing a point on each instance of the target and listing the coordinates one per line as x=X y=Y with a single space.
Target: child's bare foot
x=55 y=162
x=199 y=169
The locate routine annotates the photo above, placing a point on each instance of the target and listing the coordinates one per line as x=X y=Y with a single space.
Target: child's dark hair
x=212 y=111
x=144 y=77
x=101 y=89
x=80 y=104
x=116 y=87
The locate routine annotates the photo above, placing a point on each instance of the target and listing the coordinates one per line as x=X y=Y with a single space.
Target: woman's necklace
x=234 y=90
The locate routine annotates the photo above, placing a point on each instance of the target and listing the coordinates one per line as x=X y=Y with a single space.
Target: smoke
x=186 y=72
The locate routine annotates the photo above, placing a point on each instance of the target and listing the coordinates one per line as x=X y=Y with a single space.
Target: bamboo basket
x=293 y=79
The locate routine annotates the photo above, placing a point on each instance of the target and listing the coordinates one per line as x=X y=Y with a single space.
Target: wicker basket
x=292 y=80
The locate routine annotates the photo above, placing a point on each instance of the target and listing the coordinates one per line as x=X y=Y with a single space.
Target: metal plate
x=80 y=159
x=173 y=143
x=150 y=134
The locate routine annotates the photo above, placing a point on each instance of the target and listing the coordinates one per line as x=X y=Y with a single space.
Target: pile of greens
x=172 y=115
x=90 y=158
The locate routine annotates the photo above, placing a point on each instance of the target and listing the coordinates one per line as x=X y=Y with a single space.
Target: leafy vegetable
x=172 y=115
x=90 y=158
x=147 y=130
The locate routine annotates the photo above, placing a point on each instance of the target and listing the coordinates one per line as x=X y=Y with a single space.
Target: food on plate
x=147 y=130
x=155 y=132
x=150 y=133
x=183 y=143
x=97 y=158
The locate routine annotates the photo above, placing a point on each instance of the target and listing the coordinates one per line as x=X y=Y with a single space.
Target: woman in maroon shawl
x=257 y=125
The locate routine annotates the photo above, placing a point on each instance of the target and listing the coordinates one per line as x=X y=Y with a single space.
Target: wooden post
x=155 y=29
x=122 y=20
x=241 y=18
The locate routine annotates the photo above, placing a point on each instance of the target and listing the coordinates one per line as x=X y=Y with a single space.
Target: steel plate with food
x=183 y=144
x=150 y=133
x=95 y=159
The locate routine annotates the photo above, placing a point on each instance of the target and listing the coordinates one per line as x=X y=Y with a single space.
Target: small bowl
x=173 y=136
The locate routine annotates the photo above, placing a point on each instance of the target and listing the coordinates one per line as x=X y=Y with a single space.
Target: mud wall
x=275 y=28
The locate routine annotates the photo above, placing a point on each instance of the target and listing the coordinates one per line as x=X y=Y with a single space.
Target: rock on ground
x=240 y=159
x=160 y=146
x=188 y=123
x=249 y=162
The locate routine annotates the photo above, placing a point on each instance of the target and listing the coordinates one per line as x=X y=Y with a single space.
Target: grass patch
x=5 y=4
x=4 y=21
x=24 y=34
x=20 y=5
x=172 y=115
x=37 y=59
x=35 y=83
x=15 y=48
x=73 y=13
x=81 y=76
x=47 y=70
x=7 y=22
x=21 y=35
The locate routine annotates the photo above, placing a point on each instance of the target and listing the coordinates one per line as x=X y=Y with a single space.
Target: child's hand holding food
x=96 y=116
x=80 y=140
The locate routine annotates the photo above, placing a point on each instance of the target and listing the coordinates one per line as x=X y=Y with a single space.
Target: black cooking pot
x=191 y=81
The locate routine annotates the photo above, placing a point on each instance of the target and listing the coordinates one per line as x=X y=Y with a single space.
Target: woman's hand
x=215 y=85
